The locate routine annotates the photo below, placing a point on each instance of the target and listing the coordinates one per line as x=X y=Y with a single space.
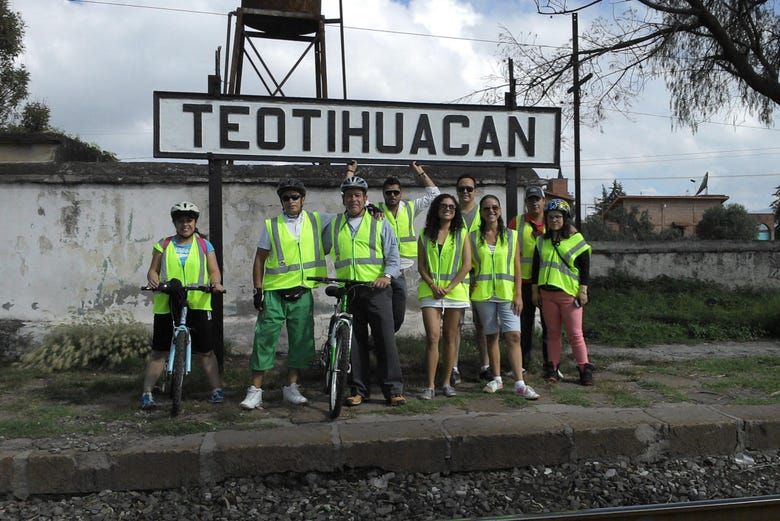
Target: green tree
x=713 y=55
x=620 y=224
x=607 y=198
x=731 y=222
x=13 y=78
x=776 y=203
x=35 y=117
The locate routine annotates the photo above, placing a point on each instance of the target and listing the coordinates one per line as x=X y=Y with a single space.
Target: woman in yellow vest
x=190 y=259
x=443 y=260
x=496 y=292
x=560 y=273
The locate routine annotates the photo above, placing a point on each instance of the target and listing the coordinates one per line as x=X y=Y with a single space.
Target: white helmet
x=185 y=207
x=354 y=182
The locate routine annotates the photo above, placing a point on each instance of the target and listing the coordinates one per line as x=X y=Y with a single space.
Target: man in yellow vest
x=365 y=249
x=530 y=225
x=401 y=214
x=290 y=250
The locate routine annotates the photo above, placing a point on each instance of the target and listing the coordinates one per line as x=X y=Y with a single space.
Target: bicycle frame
x=178 y=329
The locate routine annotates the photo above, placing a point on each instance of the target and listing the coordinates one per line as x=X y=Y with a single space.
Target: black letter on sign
x=418 y=142
x=261 y=141
x=197 y=121
x=347 y=131
x=331 y=131
x=515 y=131
x=380 y=134
x=225 y=126
x=488 y=138
x=306 y=114
x=448 y=149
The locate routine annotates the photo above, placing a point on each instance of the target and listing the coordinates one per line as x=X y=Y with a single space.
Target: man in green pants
x=289 y=251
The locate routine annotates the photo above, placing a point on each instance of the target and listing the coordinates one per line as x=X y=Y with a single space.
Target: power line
x=664 y=178
x=683 y=154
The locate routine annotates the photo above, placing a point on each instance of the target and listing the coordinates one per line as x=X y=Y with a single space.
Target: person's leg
x=487 y=313
x=300 y=334
x=399 y=301
x=432 y=323
x=450 y=327
x=510 y=330
x=380 y=308
x=552 y=318
x=572 y=319
x=268 y=326
x=359 y=376
x=527 y=319
x=479 y=338
x=154 y=369
x=161 y=345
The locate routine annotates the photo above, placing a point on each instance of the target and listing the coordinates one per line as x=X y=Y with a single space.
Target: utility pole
x=576 y=67
x=510 y=101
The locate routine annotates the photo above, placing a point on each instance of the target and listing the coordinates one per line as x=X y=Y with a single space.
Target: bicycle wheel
x=179 y=360
x=338 y=374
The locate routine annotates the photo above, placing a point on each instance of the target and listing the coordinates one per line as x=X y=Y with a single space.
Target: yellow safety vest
x=494 y=272
x=444 y=266
x=292 y=260
x=475 y=218
x=526 y=231
x=359 y=258
x=194 y=272
x=556 y=267
x=403 y=225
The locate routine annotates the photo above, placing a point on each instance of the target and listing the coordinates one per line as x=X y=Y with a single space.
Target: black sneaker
x=551 y=373
x=586 y=374
x=454 y=377
x=485 y=374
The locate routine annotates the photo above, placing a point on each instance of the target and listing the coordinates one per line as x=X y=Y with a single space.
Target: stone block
x=68 y=472
x=167 y=462
x=6 y=472
x=400 y=445
x=286 y=449
x=602 y=433
x=761 y=425
x=694 y=430
x=485 y=442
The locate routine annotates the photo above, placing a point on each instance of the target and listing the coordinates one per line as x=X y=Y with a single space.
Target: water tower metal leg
x=237 y=59
x=320 y=56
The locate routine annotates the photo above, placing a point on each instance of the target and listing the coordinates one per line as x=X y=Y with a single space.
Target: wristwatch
x=388 y=276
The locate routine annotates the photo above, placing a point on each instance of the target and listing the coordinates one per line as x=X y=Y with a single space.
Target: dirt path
x=674 y=352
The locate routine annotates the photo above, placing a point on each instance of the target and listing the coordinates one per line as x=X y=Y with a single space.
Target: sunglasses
x=495 y=208
x=287 y=198
x=464 y=189
x=393 y=193
x=445 y=206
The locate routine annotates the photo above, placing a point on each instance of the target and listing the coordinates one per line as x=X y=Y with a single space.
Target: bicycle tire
x=179 y=360
x=338 y=374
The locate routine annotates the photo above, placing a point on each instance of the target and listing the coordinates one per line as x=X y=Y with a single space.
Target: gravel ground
x=358 y=495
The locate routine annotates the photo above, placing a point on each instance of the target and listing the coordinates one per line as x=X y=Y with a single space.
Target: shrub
x=94 y=340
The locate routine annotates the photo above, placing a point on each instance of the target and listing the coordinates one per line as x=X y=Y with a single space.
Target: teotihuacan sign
x=196 y=126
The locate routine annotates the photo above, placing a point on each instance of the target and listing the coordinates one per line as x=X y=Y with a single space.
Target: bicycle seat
x=335 y=291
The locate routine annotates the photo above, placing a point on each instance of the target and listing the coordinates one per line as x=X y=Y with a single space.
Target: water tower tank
x=291 y=17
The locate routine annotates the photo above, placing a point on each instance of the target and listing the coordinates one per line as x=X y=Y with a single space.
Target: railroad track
x=760 y=508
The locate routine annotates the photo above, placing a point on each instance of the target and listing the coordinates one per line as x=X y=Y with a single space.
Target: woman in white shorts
x=444 y=261
x=496 y=292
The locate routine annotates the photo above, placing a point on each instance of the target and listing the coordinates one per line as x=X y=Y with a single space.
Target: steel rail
x=756 y=508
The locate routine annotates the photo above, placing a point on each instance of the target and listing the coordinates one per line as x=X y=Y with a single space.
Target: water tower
x=258 y=21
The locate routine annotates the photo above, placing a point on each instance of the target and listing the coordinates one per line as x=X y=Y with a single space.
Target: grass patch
x=39 y=420
x=619 y=313
x=513 y=400
x=621 y=396
x=667 y=391
x=569 y=395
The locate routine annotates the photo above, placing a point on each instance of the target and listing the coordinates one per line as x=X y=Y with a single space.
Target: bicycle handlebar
x=163 y=287
x=348 y=282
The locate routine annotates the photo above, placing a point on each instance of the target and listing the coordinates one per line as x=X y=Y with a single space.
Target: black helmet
x=290 y=184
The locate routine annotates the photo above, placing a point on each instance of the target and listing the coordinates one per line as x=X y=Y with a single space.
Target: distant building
x=47 y=147
x=766 y=226
x=678 y=212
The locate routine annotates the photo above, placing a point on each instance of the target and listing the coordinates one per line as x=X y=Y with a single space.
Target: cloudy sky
x=96 y=65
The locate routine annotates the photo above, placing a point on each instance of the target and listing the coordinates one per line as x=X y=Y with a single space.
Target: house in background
x=678 y=212
x=766 y=225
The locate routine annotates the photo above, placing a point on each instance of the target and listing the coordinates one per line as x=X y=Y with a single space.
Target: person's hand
x=439 y=292
x=517 y=305
x=583 y=295
x=351 y=168
x=417 y=168
x=218 y=288
x=535 y=296
x=375 y=212
x=259 y=300
x=381 y=282
x=153 y=279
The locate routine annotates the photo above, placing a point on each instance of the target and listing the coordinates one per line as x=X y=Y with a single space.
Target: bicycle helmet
x=185 y=207
x=354 y=182
x=558 y=205
x=290 y=184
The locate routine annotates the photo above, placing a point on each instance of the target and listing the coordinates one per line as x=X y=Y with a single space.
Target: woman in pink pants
x=561 y=268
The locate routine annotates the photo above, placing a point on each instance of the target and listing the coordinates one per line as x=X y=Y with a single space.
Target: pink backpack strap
x=201 y=243
x=165 y=242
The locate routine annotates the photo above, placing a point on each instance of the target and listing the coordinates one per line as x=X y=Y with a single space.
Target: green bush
x=94 y=340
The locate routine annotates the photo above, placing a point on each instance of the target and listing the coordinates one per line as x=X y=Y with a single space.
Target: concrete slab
x=696 y=430
x=166 y=462
x=6 y=472
x=69 y=472
x=289 y=449
x=482 y=442
x=412 y=445
x=761 y=429
x=608 y=433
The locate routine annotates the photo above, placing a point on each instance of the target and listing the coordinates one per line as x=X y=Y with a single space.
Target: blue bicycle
x=179 y=361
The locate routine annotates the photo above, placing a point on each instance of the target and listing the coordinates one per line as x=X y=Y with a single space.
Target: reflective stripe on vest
x=472 y=220
x=444 y=266
x=553 y=270
x=403 y=225
x=291 y=261
x=528 y=245
x=359 y=258
x=494 y=272
x=194 y=272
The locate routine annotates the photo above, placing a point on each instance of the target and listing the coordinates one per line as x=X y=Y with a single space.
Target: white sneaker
x=427 y=393
x=493 y=386
x=254 y=398
x=291 y=394
x=448 y=391
x=527 y=392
